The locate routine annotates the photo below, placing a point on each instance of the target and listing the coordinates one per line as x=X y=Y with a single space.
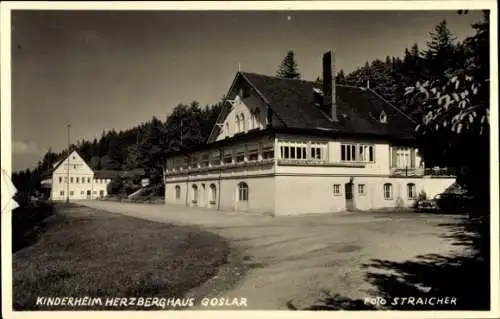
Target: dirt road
x=301 y=256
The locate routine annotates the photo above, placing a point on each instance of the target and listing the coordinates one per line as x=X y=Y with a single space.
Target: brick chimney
x=329 y=101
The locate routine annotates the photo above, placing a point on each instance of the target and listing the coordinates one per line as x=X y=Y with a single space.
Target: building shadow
x=466 y=278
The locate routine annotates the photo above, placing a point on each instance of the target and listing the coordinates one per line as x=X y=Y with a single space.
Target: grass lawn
x=84 y=252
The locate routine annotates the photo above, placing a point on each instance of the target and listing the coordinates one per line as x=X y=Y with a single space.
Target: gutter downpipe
x=219 y=181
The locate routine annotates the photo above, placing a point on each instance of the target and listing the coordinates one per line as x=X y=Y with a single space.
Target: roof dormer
x=382 y=117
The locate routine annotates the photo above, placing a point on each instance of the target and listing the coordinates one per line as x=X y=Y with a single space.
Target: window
x=356 y=153
x=387 y=191
x=215 y=159
x=195 y=194
x=336 y=189
x=74 y=166
x=194 y=162
x=88 y=180
x=412 y=192
x=253 y=155
x=268 y=152
x=251 y=121
x=177 y=192
x=60 y=180
x=403 y=157
x=240 y=157
x=316 y=153
x=238 y=127
x=285 y=152
x=228 y=158
x=101 y=193
x=242 y=192
x=77 y=180
x=361 y=189
x=61 y=193
x=383 y=117
x=71 y=180
x=83 y=180
x=256 y=116
x=82 y=193
x=242 y=117
x=213 y=193
x=204 y=160
x=71 y=193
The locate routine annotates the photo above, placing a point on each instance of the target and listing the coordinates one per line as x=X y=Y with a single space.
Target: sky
x=99 y=70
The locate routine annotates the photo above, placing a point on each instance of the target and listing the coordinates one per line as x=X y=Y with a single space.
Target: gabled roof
x=58 y=163
x=294 y=104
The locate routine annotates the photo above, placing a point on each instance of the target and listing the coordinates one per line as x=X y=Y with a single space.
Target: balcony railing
x=407 y=172
x=403 y=172
x=305 y=162
x=219 y=167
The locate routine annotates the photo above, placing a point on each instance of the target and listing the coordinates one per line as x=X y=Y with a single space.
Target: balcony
x=324 y=163
x=418 y=172
x=407 y=172
x=224 y=166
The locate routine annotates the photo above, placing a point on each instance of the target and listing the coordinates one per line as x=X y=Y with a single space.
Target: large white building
x=73 y=179
x=283 y=146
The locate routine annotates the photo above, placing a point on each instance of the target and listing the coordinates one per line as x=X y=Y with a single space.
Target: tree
x=456 y=108
x=288 y=68
x=440 y=55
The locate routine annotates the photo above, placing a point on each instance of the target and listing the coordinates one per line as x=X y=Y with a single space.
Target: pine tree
x=440 y=52
x=288 y=68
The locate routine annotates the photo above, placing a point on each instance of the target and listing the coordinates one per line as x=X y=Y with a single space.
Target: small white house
x=286 y=146
x=73 y=179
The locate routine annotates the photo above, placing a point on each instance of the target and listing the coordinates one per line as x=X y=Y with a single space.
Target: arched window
x=213 y=194
x=242 y=117
x=243 y=192
x=177 y=192
x=238 y=128
x=195 y=194
x=251 y=121
x=387 y=191
x=411 y=190
x=256 y=115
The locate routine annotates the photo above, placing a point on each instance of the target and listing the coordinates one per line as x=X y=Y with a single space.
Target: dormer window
x=383 y=117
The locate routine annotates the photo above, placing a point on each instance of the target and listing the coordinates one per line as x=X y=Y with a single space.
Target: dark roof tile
x=294 y=102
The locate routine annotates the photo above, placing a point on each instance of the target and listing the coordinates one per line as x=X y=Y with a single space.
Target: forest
x=443 y=86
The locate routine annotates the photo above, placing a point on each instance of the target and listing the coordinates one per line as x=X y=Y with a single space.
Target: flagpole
x=67 y=171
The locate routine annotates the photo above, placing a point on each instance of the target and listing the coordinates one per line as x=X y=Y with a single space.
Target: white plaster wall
x=314 y=194
x=79 y=189
x=261 y=195
x=308 y=194
x=244 y=107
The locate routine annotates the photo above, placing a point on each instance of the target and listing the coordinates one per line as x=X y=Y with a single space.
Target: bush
x=28 y=221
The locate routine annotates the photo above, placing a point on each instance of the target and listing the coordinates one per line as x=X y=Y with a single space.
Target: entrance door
x=349 y=199
x=88 y=194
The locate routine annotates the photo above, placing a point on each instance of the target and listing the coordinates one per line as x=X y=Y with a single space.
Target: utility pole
x=67 y=171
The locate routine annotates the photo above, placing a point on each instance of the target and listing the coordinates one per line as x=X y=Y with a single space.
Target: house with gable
x=286 y=146
x=72 y=178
